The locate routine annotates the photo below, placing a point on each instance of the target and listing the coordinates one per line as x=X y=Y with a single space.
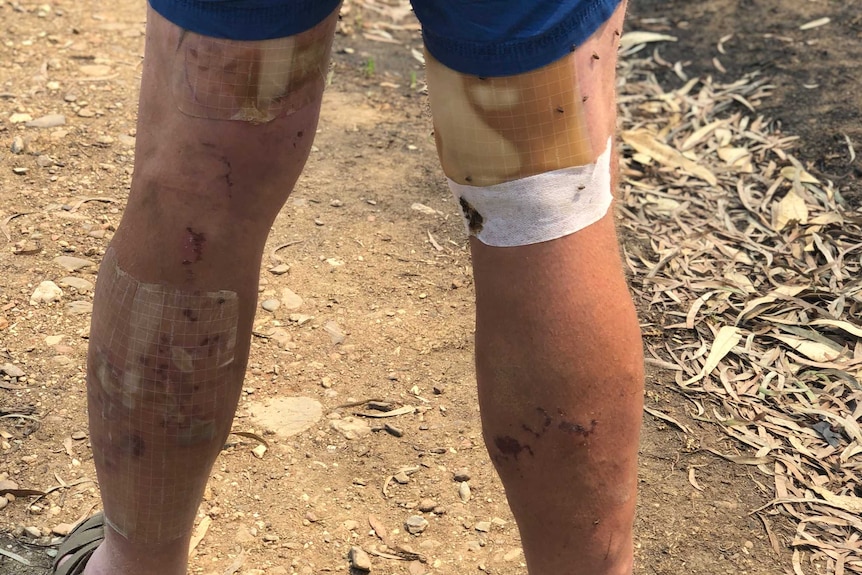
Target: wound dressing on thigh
x=524 y=160
x=250 y=81
x=162 y=373
x=537 y=208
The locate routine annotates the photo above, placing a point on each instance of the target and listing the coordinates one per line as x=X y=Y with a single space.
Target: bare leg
x=558 y=349
x=177 y=293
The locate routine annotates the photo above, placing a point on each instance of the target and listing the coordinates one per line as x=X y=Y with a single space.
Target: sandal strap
x=79 y=545
x=77 y=561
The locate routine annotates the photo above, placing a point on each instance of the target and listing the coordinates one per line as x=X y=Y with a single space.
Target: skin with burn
x=558 y=350
x=201 y=204
x=216 y=158
x=168 y=367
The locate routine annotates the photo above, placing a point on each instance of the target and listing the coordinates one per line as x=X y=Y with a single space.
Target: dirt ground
x=386 y=310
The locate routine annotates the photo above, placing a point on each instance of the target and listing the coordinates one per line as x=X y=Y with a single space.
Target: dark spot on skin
x=511 y=446
x=581 y=186
x=475 y=221
x=577 y=429
x=299 y=134
x=546 y=423
x=595 y=56
x=196 y=387
x=195 y=241
x=584 y=99
x=468 y=179
x=482 y=78
x=216 y=338
x=227 y=177
x=573 y=48
x=135 y=445
x=189 y=315
x=560 y=110
x=617 y=33
x=220 y=300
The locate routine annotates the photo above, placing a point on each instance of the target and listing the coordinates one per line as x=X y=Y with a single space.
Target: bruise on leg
x=250 y=81
x=162 y=369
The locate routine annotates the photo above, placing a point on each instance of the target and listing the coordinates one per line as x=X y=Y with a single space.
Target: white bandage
x=537 y=208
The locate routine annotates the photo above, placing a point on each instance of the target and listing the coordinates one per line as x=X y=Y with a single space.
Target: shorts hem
x=523 y=55
x=247 y=20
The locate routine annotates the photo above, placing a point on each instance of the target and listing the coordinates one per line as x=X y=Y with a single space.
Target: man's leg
x=224 y=130
x=558 y=349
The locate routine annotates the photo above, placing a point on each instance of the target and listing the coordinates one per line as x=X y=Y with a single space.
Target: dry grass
x=752 y=278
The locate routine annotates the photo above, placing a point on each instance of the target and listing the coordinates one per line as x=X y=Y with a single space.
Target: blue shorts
x=481 y=37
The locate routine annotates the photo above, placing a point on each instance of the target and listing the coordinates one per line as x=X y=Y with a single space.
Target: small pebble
x=271 y=305
x=46 y=292
x=32 y=531
x=49 y=121
x=359 y=559
x=512 y=555
x=72 y=263
x=461 y=475
x=427 y=505
x=416 y=524
x=464 y=491
x=259 y=451
x=401 y=478
x=17 y=145
x=11 y=370
x=290 y=299
x=79 y=307
x=483 y=526
x=79 y=284
x=61 y=529
x=279 y=269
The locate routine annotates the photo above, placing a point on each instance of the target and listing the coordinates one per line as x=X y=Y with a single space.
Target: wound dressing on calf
x=250 y=81
x=162 y=374
x=537 y=208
